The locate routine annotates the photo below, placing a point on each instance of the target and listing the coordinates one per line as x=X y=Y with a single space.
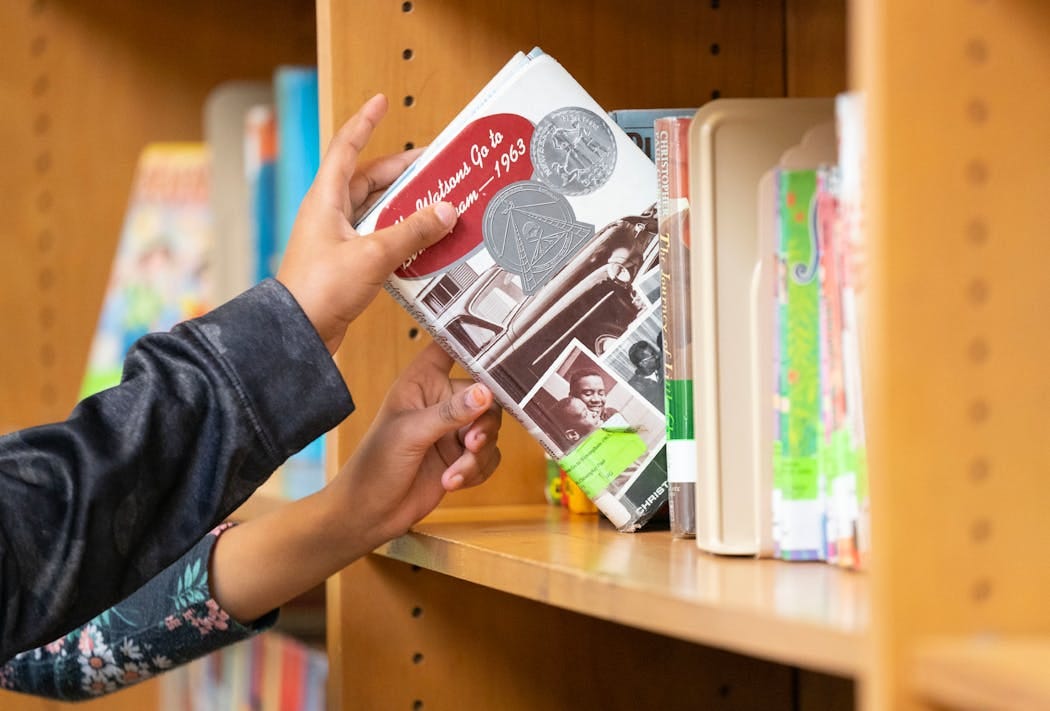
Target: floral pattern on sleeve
x=170 y=621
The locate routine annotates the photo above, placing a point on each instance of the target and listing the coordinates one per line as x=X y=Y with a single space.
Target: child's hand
x=432 y=434
x=331 y=270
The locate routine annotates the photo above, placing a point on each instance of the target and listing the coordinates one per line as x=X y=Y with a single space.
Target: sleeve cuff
x=279 y=364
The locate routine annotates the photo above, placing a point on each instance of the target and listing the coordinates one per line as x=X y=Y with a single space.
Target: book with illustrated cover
x=162 y=273
x=548 y=288
x=672 y=169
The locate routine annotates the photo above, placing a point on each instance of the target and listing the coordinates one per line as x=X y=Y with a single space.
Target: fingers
x=340 y=160
x=394 y=245
x=378 y=175
x=447 y=416
x=471 y=469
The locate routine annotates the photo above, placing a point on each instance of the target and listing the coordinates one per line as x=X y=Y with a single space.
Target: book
x=638 y=124
x=733 y=142
x=162 y=272
x=224 y=127
x=550 y=280
x=298 y=157
x=672 y=170
x=260 y=168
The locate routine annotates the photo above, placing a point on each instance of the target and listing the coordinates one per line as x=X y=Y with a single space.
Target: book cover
x=672 y=171
x=162 y=271
x=550 y=280
x=638 y=124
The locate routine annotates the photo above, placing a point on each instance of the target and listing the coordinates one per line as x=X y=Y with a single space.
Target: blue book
x=638 y=124
x=298 y=158
x=298 y=142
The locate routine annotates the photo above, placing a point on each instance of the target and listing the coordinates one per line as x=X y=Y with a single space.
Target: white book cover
x=548 y=288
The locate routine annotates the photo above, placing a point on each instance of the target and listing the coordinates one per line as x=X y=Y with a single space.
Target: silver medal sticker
x=573 y=151
x=531 y=231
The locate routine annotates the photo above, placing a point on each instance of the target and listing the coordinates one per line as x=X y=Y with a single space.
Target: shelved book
x=671 y=154
x=548 y=288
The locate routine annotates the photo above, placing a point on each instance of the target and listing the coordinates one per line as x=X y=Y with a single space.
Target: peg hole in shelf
x=981 y=530
x=417 y=658
x=716 y=49
x=977 y=172
x=409 y=145
x=977 y=292
x=417 y=705
x=979 y=411
x=417 y=611
x=976 y=50
x=978 y=351
x=409 y=100
x=981 y=590
x=977 y=231
x=413 y=333
x=715 y=4
x=977 y=111
x=45 y=279
x=407 y=53
x=980 y=470
x=416 y=568
x=715 y=93
x=406 y=7
x=724 y=690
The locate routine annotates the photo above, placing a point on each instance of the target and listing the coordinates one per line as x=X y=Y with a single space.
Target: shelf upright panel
x=957 y=187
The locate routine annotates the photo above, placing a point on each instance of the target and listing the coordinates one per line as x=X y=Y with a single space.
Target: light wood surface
x=806 y=615
x=958 y=377
x=992 y=673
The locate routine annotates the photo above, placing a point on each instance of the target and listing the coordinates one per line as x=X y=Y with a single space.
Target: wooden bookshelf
x=990 y=672
x=812 y=616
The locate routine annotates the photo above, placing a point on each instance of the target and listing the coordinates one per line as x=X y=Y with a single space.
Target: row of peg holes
x=44 y=239
x=977 y=174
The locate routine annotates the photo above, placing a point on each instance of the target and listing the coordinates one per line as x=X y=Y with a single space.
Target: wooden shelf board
x=984 y=673
x=807 y=615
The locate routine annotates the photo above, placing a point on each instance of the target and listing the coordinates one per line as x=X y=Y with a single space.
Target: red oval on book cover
x=487 y=155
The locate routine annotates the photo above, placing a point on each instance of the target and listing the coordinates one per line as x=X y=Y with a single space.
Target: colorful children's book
x=260 y=171
x=162 y=272
x=672 y=171
x=548 y=288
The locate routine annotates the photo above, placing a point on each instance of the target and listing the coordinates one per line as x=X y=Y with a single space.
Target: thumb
x=450 y=414
x=399 y=242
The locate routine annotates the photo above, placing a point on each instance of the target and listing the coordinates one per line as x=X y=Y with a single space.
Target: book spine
x=797 y=474
x=672 y=170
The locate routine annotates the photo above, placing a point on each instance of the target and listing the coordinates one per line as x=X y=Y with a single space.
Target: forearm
x=265 y=562
x=170 y=621
x=95 y=506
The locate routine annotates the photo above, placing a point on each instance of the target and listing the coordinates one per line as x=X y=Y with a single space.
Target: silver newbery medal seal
x=573 y=151
x=531 y=231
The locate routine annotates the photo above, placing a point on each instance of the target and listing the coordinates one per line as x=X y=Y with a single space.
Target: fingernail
x=474 y=396
x=455 y=481
x=446 y=213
